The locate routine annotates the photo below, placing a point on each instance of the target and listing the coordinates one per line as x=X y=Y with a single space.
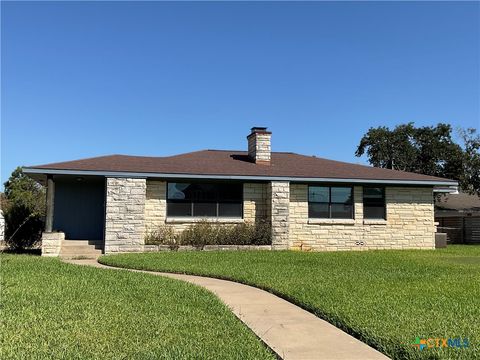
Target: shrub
x=262 y=233
x=162 y=235
x=240 y=234
x=200 y=234
x=23 y=208
x=23 y=229
x=208 y=233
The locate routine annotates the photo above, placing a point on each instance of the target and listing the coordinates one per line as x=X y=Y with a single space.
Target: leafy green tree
x=391 y=149
x=470 y=182
x=429 y=150
x=23 y=207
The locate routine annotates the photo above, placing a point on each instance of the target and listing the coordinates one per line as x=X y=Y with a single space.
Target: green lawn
x=385 y=298
x=54 y=310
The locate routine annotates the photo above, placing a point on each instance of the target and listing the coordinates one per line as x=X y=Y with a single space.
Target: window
x=205 y=200
x=374 y=203
x=330 y=202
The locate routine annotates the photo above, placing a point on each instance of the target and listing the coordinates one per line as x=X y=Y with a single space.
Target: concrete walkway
x=290 y=331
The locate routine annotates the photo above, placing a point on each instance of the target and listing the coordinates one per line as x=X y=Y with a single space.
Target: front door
x=79 y=207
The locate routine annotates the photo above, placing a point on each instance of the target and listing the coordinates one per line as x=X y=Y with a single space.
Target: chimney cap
x=260 y=130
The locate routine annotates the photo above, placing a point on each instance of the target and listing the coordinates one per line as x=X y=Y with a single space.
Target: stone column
x=125 y=215
x=52 y=243
x=279 y=195
x=50 y=204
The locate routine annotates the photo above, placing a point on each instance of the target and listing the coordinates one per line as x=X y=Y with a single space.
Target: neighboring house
x=458 y=215
x=312 y=203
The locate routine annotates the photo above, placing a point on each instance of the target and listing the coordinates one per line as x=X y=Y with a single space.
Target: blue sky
x=152 y=78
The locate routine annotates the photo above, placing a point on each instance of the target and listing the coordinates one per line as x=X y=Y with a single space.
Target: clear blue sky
x=151 y=78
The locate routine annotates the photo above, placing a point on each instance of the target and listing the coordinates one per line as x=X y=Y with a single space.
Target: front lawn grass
x=53 y=310
x=384 y=298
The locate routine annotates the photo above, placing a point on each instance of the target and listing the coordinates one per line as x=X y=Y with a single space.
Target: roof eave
x=31 y=170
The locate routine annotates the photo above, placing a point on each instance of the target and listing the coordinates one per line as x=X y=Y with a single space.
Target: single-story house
x=458 y=215
x=312 y=203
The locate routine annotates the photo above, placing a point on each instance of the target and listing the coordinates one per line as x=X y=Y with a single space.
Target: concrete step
x=80 y=249
x=82 y=241
x=98 y=244
x=83 y=254
x=79 y=256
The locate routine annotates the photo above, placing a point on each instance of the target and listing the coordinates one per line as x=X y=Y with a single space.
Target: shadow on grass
x=36 y=252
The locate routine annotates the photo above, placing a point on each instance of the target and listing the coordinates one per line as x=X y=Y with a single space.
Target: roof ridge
x=246 y=151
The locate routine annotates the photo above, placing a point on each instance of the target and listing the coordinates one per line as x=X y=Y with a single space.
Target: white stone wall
x=279 y=195
x=52 y=243
x=409 y=223
x=125 y=215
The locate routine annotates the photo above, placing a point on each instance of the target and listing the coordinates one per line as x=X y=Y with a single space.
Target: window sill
x=192 y=220
x=375 y=222
x=332 y=221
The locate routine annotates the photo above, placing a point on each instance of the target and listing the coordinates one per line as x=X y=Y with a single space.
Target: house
x=458 y=215
x=312 y=203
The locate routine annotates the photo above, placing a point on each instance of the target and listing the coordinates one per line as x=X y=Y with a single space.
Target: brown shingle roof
x=460 y=201
x=235 y=163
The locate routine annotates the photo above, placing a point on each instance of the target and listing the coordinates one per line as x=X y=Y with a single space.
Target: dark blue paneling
x=79 y=207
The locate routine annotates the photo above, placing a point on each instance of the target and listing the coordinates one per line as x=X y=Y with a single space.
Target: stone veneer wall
x=409 y=223
x=125 y=215
x=52 y=243
x=279 y=196
x=259 y=147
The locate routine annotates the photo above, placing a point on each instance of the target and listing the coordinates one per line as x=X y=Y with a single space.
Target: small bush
x=162 y=235
x=200 y=234
x=208 y=233
x=262 y=234
x=240 y=234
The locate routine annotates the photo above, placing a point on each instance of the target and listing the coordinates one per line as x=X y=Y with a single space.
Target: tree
x=24 y=210
x=428 y=150
x=389 y=149
x=470 y=182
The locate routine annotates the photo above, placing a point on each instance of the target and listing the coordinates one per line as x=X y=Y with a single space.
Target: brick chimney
x=259 y=148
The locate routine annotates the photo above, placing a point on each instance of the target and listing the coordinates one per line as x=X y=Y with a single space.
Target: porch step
x=85 y=254
x=98 y=244
x=86 y=249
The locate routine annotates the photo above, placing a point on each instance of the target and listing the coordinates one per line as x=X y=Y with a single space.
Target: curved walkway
x=290 y=331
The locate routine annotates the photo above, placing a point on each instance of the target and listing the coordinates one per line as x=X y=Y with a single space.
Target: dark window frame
x=330 y=202
x=217 y=201
x=384 y=198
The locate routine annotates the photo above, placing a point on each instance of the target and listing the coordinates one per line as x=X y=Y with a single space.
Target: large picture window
x=374 y=203
x=330 y=202
x=205 y=200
